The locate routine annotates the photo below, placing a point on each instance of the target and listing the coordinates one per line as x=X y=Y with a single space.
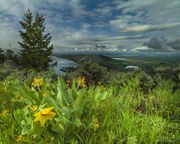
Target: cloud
x=18 y=7
x=147 y=16
x=126 y=37
x=147 y=28
x=142 y=48
x=9 y=34
x=175 y=44
x=86 y=26
x=126 y=23
x=105 y=10
x=97 y=24
x=103 y=41
x=155 y=10
x=159 y=44
x=121 y=22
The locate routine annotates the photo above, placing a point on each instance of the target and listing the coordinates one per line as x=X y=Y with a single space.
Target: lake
x=63 y=63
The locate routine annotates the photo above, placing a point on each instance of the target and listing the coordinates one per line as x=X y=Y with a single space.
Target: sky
x=98 y=25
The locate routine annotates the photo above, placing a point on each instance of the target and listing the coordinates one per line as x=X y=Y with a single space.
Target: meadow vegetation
x=125 y=108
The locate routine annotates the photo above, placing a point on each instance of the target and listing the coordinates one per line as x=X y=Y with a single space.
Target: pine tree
x=2 y=57
x=36 y=49
x=9 y=54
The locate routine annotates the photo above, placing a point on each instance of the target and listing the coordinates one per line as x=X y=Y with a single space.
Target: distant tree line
x=8 y=54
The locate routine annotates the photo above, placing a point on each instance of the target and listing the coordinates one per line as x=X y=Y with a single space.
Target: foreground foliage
x=41 y=110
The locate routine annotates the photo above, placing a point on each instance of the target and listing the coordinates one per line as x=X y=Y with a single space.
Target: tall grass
x=91 y=115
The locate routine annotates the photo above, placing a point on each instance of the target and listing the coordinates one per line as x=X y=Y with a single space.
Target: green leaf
x=77 y=122
x=78 y=104
x=26 y=126
x=37 y=129
x=58 y=128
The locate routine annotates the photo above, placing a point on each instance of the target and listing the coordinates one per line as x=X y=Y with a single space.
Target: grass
x=88 y=115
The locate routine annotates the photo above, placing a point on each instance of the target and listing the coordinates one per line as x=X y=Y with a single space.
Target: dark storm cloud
x=175 y=44
x=157 y=43
x=162 y=44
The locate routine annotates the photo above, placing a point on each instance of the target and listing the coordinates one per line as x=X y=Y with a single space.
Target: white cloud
x=8 y=35
x=18 y=7
x=148 y=15
x=124 y=21
x=86 y=26
x=104 y=10
x=142 y=48
x=146 y=28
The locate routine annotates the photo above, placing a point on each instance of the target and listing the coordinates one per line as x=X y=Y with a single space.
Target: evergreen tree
x=2 y=57
x=36 y=49
x=9 y=54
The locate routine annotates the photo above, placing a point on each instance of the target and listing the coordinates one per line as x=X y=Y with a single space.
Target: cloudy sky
x=102 y=25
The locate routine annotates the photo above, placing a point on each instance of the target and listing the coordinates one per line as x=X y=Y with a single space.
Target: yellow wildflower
x=5 y=113
x=81 y=82
x=37 y=82
x=19 y=138
x=34 y=107
x=95 y=124
x=44 y=115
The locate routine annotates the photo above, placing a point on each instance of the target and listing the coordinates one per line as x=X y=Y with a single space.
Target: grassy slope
x=125 y=114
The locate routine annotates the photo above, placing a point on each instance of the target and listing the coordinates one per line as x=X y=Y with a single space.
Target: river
x=63 y=63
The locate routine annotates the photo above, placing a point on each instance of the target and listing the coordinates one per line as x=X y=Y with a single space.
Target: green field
x=123 y=109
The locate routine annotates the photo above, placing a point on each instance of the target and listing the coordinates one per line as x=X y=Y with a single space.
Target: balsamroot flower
x=37 y=82
x=81 y=82
x=5 y=113
x=20 y=138
x=101 y=86
x=44 y=115
x=95 y=124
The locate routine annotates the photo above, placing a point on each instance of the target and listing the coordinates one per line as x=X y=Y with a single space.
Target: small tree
x=36 y=49
x=9 y=54
x=2 y=57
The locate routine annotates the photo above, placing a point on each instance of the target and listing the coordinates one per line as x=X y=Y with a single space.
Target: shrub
x=93 y=72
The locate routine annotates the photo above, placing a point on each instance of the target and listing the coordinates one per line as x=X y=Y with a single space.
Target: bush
x=146 y=82
x=4 y=73
x=138 y=79
x=93 y=72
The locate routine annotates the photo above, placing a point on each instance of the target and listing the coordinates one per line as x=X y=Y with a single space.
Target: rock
x=9 y=64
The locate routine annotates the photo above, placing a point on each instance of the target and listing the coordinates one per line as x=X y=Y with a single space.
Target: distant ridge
x=100 y=59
